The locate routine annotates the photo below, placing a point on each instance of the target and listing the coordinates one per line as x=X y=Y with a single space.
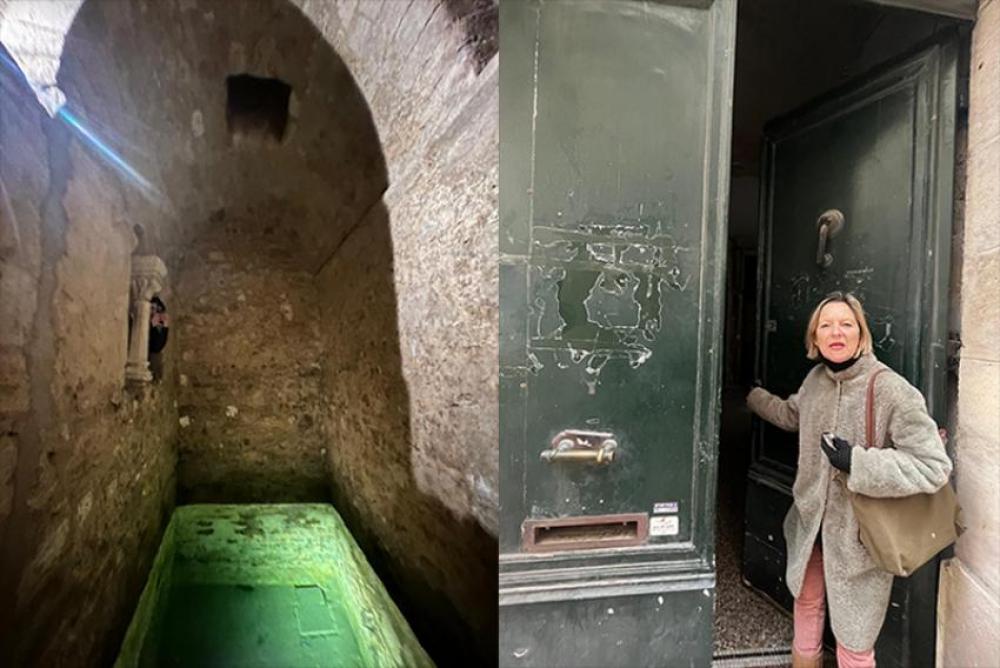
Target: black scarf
x=838 y=366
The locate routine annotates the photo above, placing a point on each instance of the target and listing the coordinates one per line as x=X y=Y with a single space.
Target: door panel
x=880 y=152
x=642 y=631
x=613 y=168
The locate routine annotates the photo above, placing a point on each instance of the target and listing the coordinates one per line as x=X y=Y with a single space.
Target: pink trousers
x=810 y=608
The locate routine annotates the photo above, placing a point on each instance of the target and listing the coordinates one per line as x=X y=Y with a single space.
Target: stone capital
x=148 y=275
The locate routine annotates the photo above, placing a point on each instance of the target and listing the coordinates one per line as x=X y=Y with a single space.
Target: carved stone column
x=148 y=274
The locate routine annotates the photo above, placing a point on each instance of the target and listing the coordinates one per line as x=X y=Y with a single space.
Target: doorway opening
x=787 y=55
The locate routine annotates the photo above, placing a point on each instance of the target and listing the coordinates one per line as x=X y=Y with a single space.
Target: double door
x=615 y=130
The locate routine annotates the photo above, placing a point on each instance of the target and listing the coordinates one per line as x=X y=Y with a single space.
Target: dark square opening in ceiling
x=257 y=107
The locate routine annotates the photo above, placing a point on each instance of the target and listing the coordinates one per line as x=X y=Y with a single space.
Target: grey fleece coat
x=857 y=590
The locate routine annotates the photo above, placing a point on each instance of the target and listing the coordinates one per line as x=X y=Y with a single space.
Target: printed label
x=669 y=525
x=665 y=507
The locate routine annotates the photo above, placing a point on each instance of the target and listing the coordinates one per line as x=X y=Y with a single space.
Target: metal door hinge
x=953 y=351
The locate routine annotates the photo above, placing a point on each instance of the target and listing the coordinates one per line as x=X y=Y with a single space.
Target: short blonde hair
x=865 y=340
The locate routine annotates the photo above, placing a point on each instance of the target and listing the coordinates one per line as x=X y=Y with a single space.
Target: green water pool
x=275 y=586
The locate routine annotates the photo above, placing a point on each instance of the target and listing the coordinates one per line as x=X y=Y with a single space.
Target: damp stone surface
x=272 y=585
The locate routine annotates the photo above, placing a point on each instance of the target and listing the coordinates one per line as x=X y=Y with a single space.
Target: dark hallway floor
x=744 y=620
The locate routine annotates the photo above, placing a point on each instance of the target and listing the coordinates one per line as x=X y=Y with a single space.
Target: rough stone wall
x=250 y=385
x=970 y=583
x=445 y=240
x=440 y=568
x=151 y=76
x=156 y=72
x=86 y=469
x=424 y=71
x=481 y=26
x=426 y=377
x=437 y=117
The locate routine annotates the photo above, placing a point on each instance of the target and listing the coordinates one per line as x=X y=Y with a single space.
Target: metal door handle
x=830 y=222
x=604 y=455
x=594 y=447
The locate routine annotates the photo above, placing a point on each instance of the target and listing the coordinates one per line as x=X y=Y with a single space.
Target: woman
x=825 y=553
x=159 y=325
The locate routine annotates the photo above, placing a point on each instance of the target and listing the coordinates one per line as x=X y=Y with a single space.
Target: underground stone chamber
x=318 y=180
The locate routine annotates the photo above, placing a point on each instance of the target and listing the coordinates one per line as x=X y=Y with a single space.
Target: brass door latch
x=594 y=447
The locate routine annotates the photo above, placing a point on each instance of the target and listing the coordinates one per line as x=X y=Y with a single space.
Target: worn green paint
x=265 y=585
x=880 y=150
x=614 y=121
x=610 y=279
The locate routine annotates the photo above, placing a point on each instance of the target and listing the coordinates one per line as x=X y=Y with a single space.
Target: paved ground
x=746 y=624
x=744 y=620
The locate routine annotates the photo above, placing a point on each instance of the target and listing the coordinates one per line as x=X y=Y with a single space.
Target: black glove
x=839 y=452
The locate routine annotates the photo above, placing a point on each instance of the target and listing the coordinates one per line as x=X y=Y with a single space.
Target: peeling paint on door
x=611 y=302
x=599 y=291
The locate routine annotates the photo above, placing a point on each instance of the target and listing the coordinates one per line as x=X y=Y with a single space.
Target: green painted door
x=879 y=156
x=614 y=121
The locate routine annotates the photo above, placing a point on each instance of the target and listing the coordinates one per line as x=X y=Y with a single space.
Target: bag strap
x=870 y=411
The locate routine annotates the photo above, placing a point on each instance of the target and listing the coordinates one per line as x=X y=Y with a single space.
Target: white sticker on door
x=665 y=507
x=669 y=525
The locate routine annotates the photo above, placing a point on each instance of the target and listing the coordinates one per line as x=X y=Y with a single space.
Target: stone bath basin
x=274 y=585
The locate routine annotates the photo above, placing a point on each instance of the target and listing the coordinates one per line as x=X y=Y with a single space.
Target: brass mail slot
x=584 y=533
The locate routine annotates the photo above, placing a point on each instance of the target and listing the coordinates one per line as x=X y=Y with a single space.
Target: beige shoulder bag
x=902 y=534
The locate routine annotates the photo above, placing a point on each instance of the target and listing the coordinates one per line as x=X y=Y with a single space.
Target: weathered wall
x=437 y=116
x=445 y=240
x=366 y=66
x=419 y=506
x=155 y=73
x=250 y=388
x=440 y=568
x=244 y=311
x=149 y=77
x=86 y=470
x=970 y=583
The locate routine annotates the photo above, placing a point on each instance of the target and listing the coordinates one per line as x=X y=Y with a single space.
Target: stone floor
x=750 y=631
x=744 y=620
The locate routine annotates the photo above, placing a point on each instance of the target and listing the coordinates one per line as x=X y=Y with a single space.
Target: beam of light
x=109 y=154
x=12 y=66
x=122 y=143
